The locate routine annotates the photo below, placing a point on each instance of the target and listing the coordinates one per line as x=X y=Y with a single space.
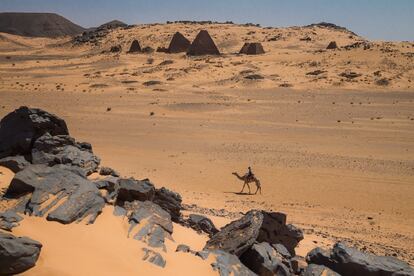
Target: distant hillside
x=37 y=24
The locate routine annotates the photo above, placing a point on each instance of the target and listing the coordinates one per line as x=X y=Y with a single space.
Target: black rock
x=83 y=202
x=14 y=163
x=131 y=189
x=19 y=130
x=348 y=261
x=256 y=226
x=227 y=264
x=281 y=249
x=81 y=197
x=170 y=202
x=17 y=254
x=319 y=270
x=63 y=149
x=116 y=49
x=153 y=257
x=254 y=77
x=110 y=184
x=154 y=224
x=108 y=171
x=9 y=219
x=238 y=236
x=263 y=259
x=183 y=248
x=202 y=224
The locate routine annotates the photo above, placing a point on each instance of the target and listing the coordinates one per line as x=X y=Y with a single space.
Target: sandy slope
x=337 y=156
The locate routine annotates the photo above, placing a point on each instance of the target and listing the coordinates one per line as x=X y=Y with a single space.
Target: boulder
x=108 y=171
x=183 y=248
x=281 y=249
x=202 y=224
x=263 y=259
x=319 y=270
x=20 y=128
x=116 y=49
x=148 y=50
x=110 y=184
x=131 y=189
x=348 y=261
x=135 y=47
x=227 y=264
x=178 y=44
x=80 y=197
x=151 y=223
x=170 y=202
x=14 y=163
x=63 y=149
x=17 y=254
x=153 y=257
x=9 y=219
x=83 y=202
x=256 y=226
x=203 y=44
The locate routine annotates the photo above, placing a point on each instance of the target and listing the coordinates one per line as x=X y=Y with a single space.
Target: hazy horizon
x=377 y=20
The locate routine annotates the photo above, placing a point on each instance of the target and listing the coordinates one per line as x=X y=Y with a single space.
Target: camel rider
x=250 y=173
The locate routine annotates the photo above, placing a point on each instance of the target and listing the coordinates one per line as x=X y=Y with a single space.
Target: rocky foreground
x=52 y=180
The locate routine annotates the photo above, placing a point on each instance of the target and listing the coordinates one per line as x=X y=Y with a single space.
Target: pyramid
x=332 y=45
x=252 y=49
x=203 y=44
x=135 y=47
x=178 y=44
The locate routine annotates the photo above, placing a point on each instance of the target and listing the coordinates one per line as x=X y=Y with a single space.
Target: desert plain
x=329 y=133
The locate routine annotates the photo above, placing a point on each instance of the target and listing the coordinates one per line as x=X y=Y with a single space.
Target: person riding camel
x=250 y=174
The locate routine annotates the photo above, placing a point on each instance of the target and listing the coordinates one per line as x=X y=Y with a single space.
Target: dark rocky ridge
x=37 y=24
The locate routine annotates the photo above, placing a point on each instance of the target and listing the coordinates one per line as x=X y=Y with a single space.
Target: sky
x=373 y=19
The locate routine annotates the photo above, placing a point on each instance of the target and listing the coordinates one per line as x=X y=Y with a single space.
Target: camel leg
x=243 y=187
x=248 y=185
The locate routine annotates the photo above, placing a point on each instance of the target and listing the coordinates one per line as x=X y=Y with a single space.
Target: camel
x=247 y=179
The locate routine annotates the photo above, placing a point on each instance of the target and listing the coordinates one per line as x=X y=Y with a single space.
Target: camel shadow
x=238 y=193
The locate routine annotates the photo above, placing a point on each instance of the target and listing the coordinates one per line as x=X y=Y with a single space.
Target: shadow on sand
x=238 y=193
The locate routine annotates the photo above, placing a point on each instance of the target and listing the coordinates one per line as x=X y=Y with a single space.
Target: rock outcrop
x=80 y=197
x=132 y=189
x=150 y=223
x=153 y=257
x=21 y=128
x=17 y=254
x=63 y=149
x=348 y=261
x=256 y=226
x=170 y=202
x=263 y=259
x=14 y=163
x=228 y=264
x=202 y=224
x=9 y=219
x=319 y=270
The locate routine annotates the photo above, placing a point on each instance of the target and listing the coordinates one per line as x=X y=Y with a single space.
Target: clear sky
x=374 y=19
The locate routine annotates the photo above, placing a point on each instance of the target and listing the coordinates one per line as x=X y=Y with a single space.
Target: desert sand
x=334 y=153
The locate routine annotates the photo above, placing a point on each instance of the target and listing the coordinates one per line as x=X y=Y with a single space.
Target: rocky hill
x=37 y=24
